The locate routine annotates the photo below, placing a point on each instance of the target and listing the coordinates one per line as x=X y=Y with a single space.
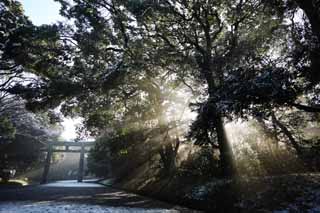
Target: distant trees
x=12 y=20
x=29 y=132
x=22 y=51
x=7 y=130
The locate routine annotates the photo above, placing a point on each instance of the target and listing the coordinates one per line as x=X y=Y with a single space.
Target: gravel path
x=69 y=197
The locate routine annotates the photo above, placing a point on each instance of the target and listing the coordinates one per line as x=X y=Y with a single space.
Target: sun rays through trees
x=172 y=88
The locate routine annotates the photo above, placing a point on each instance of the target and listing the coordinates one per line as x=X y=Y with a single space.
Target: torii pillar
x=47 y=165
x=81 y=164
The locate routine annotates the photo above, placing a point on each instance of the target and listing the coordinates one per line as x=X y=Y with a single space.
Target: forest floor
x=279 y=194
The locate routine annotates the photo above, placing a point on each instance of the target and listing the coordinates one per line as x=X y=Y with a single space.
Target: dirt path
x=72 y=197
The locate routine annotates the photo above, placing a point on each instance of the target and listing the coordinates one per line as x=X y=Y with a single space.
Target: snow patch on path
x=73 y=183
x=68 y=207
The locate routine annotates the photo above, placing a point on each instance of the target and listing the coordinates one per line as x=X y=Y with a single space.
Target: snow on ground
x=68 y=207
x=202 y=191
x=74 y=183
x=73 y=197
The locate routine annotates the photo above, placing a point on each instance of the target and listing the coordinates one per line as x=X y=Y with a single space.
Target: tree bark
x=312 y=11
x=305 y=107
x=286 y=131
x=271 y=133
x=168 y=154
x=224 y=146
x=226 y=154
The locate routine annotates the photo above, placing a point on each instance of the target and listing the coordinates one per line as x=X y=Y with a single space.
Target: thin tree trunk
x=286 y=131
x=270 y=133
x=168 y=151
x=168 y=154
x=305 y=107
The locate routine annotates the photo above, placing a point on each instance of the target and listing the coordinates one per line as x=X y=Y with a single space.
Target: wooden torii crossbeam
x=52 y=147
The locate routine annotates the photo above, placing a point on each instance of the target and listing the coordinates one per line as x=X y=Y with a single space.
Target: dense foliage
x=22 y=52
x=134 y=69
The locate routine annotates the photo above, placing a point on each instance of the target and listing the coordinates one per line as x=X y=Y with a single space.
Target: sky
x=47 y=12
x=42 y=11
x=69 y=126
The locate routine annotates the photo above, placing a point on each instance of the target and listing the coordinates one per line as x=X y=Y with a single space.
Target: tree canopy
x=119 y=64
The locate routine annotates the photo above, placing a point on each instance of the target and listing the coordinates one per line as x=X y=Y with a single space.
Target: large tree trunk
x=224 y=146
x=312 y=11
x=226 y=154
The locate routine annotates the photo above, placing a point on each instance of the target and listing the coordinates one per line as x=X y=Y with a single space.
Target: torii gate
x=66 y=145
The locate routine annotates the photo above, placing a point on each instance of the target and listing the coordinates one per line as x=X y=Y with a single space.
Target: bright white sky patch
x=42 y=11
x=70 y=128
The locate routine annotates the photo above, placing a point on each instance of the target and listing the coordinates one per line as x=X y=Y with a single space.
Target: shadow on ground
x=102 y=196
